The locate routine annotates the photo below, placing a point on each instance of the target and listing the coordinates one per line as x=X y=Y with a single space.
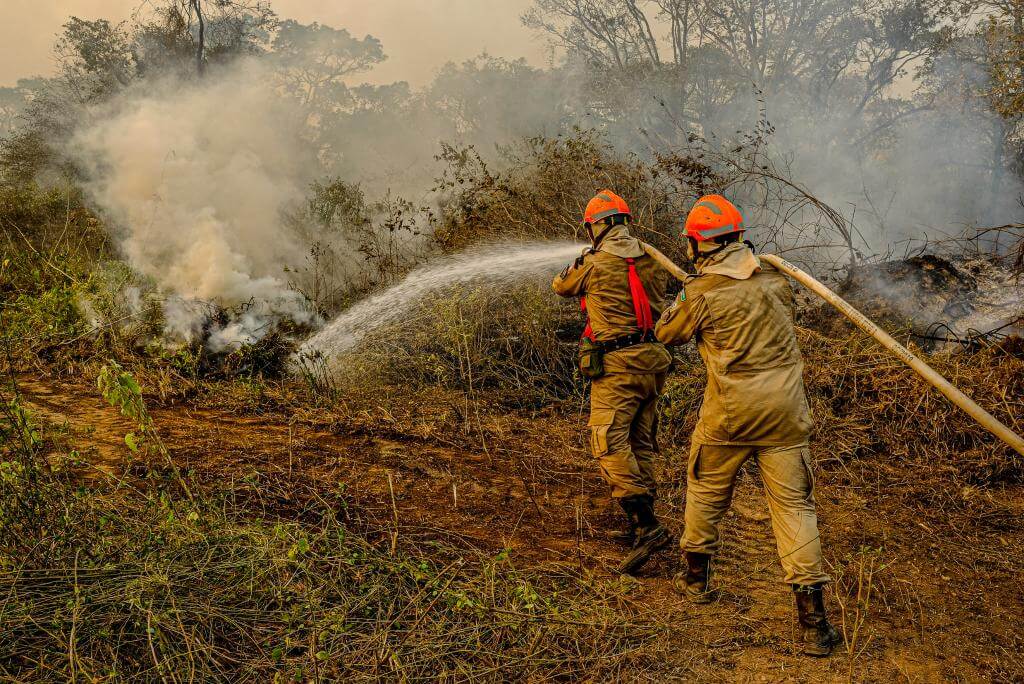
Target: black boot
x=693 y=582
x=651 y=535
x=626 y=536
x=819 y=637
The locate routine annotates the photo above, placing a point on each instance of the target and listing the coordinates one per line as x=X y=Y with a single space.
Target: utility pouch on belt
x=590 y=358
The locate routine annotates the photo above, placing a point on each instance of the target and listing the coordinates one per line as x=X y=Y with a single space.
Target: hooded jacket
x=740 y=312
x=602 y=275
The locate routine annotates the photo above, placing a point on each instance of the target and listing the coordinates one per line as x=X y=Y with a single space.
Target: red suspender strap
x=588 y=332
x=641 y=304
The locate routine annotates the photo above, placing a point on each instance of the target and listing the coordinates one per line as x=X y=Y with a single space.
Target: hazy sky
x=418 y=35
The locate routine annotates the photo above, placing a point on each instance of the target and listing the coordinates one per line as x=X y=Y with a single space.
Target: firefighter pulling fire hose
x=739 y=309
x=740 y=313
x=983 y=417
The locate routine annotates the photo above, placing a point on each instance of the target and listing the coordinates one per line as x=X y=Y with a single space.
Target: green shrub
x=47 y=317
x=51 y=236
x=123 y=308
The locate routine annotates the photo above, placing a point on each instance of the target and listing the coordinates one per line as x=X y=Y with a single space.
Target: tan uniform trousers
x=623 y=430
x=789 y=487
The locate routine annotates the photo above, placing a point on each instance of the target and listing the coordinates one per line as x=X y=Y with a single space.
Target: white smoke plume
x=192 y=178
x=932 y=178
x=193 y=175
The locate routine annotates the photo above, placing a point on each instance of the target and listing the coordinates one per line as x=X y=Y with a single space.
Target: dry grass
x=518 y=340
x=256 y=581
x=867 y=403
x=125 y=579
x=134 y=586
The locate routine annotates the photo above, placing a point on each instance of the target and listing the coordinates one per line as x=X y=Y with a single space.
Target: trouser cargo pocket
x=600 y=422
x=693 y=470
x=805 y=456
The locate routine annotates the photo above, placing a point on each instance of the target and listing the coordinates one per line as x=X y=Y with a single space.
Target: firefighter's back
x=755 y=391
x=612 y=314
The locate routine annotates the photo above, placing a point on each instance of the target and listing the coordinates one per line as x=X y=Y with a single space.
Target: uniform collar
x=619 y=242
x=735 y=261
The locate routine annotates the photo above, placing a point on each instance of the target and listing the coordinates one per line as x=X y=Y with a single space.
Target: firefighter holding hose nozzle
x=740 y=313
x=621 y=289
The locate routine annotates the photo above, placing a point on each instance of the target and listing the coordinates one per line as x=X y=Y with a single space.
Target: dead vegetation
x=517 y=340
x=376 y=566
x=145 y=586
x=433 y=512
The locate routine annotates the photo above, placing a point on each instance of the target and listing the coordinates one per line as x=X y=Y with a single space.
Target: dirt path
x=945 y=596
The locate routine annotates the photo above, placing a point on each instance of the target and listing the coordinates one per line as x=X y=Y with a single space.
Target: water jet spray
x=495 y=263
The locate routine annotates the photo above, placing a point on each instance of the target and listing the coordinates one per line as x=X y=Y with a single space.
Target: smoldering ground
x=193 y=178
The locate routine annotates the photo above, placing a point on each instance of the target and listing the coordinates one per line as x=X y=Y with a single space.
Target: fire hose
x=983 y=417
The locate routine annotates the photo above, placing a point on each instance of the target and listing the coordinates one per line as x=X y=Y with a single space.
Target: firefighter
x=740 y=312
x=621 y=290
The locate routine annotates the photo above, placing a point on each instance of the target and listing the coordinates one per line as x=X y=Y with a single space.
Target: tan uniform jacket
x=742 y=319
x=604 y=279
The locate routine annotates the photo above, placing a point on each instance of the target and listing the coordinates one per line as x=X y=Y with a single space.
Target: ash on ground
x=944 y=304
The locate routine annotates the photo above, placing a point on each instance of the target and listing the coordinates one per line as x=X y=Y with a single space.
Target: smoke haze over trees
x=288 y=395
x=272 y=168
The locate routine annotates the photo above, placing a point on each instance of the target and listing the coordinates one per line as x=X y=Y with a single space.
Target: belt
x=630 y=340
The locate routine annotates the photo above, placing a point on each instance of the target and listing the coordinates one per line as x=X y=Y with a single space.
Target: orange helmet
x=605 y=203
x=711 y=217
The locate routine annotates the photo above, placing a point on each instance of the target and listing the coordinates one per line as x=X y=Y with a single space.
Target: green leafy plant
x=20 y=425
x=120 y=389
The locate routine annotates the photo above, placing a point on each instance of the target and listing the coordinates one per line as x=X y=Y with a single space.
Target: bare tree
x=770 y=42
x=223 y=28
x=196 y=7
x=609 y=33
x=683 y=17
x=805 y=50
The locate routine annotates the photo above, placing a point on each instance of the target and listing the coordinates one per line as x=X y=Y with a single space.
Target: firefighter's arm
x=572 y=281
x=682 y=320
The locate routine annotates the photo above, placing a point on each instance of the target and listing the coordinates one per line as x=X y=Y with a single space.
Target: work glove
x=581 y=257
x=578 y=262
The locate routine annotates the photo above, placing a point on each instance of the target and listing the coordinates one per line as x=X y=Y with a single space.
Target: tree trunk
x=197 y=5
x=998 y=152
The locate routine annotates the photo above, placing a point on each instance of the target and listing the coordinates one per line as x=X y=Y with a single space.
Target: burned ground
x=919 y=511
x=943 y=302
